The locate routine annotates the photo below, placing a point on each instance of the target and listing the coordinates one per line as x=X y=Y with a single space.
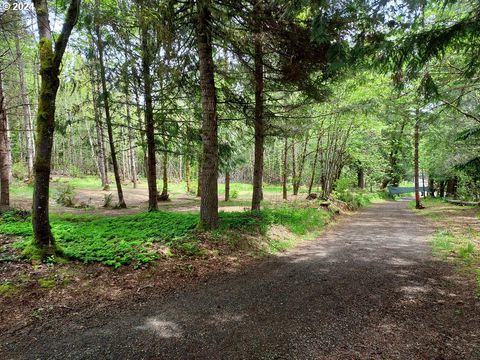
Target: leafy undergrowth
x=457 y=236
x=358 y=198
x=141 y=238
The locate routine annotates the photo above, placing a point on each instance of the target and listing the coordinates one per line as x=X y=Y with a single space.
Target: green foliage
x=8 y=289
x=46 y=283
x=234 y=194
x=65 y=195
x=19 y=171
x=121 y=240
x=345 y=183
x=357 y=199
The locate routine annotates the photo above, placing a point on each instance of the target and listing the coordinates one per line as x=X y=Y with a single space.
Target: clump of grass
x=46 y=283
x=8 y=289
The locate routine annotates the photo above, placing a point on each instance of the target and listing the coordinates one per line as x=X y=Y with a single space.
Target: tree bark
x=294 y=166
x=164 y=195
x=50 y=60
x=227 y=185
x=298 y=180
x=314 y=165
x=131 y=149
x=199 y=177
x=441 y=189
x=141 y=124
x=431 y=185
x=27 y=113
x=108 y=118
x=259 y=125
x=4 y=151
x=100 y=136
x=418 y=205
x=360 y=177
x=187 y=174
x=209 y=199
x=285 y=169
x=452 y=187
x=149 y=120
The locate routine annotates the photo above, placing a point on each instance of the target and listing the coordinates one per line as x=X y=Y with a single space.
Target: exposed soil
x=369 y=288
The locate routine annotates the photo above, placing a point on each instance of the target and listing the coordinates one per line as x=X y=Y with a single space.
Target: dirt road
x=367 y=289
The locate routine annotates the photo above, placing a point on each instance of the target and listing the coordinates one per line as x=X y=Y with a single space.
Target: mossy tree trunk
x=50 y=60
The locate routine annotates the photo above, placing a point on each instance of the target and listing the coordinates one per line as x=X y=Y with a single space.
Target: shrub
x=66 y=195
x=357 y=199
x=234 y=194
x=107 y=200
x=19 y=171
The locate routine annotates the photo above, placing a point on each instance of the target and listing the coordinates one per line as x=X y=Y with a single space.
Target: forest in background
x=313 y=97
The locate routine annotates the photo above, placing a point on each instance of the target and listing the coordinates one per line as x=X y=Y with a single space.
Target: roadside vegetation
x=143 y=237
x=457 y=234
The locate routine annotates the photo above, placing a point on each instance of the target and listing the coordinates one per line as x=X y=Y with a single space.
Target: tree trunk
x=141 y=125
x=164 y=195
x=108 y=119
x=4 y=151
x=50 y=61
x=452 y=187
x=227 y=185
x=90 y=142
x=314 y=165
x=431 y=185
x=294 y=166
x=100 y=136
x=259 y=124
x=297 y=182
x=285 y=169
x=27 y=113
x=130 y=139
x=209 y=199
x=199 y=177
x=187 y=174
x=149 y=120
x=418 y=205
x=441 y=189
x=360 y=177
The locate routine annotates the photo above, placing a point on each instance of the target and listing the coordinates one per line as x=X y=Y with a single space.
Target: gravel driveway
x=367 y=289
